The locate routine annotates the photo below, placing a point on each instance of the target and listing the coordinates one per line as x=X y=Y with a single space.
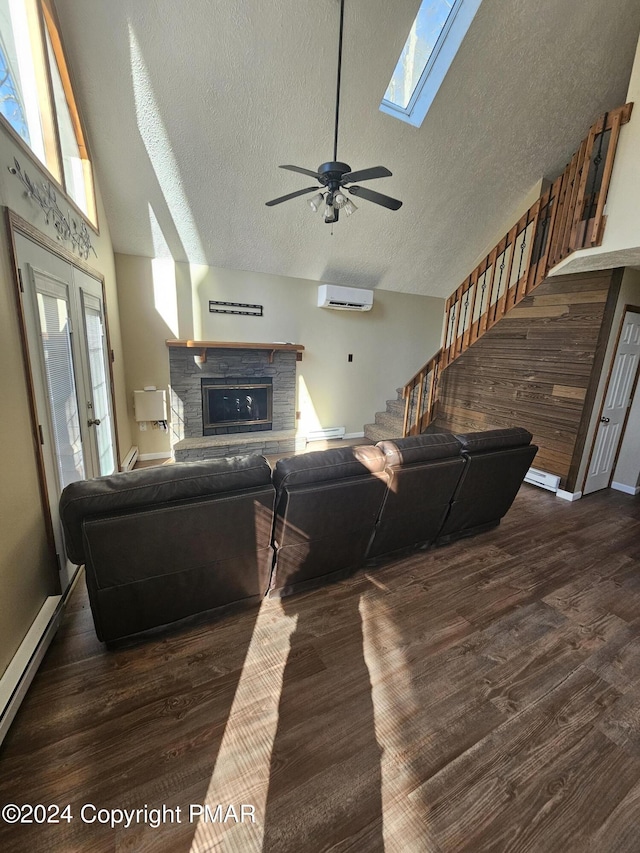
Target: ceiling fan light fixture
x=349 y=207
x=336 y=177
x=340 y=200
x=330 y=213
x=315 y=203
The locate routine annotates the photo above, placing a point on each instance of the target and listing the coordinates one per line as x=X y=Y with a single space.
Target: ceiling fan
x=334 y=177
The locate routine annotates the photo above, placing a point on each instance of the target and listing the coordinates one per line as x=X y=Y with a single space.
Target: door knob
x=604 y=420
x=93 y=422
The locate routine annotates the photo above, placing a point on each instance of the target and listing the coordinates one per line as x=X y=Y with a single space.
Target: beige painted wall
x=513 y=215
x=629 y=295
x=160 y=300
x=26 y=570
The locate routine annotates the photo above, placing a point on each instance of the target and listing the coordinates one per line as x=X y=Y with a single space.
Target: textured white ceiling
x=191 y=106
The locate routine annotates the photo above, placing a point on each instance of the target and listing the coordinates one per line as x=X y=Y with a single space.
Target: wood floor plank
x=620 y=829
x=481 y=787
x=482 y=696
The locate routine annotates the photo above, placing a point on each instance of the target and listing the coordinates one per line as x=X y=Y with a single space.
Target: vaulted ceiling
x=190 y=107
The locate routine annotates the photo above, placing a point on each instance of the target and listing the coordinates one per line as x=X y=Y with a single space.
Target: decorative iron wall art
x=68 y=228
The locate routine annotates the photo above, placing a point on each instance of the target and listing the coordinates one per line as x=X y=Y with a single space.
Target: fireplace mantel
x=271 y=348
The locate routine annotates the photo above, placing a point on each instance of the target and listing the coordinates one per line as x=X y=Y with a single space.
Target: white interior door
x=64 y=318
x=616 y=405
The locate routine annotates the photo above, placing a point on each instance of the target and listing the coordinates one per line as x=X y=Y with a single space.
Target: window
x=433 y=41
x=36 y=98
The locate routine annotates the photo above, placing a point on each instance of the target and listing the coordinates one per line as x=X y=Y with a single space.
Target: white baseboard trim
x=19 y=674
x=568 y=496
x=145 y=457
x=353 y=435
x=130 y=459
x=68 y=576
x=628 y=490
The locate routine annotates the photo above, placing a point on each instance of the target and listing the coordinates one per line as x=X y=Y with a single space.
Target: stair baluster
x=566 y=217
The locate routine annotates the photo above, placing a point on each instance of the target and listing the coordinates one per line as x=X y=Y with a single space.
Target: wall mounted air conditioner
x=344 y=298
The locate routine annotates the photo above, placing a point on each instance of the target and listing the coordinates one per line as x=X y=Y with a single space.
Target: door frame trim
x=635 y=309
x=606 y=324
x=16 y=224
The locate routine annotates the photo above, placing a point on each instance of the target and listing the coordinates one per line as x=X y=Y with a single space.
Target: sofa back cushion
x=326 y=508
x=155 y=565
x=496 y=464
x=494 y=439
x=321 y=465
x=416 y=449
x=151 y=487
x=423 y=472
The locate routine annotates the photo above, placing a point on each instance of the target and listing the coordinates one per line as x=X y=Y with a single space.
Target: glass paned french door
x=55 y=334
x=68 y=359
x=99 y=403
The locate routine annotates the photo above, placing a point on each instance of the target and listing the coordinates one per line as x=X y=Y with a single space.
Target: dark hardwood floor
x=484 y=696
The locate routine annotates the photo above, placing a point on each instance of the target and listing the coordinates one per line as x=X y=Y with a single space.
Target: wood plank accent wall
x=536 y=368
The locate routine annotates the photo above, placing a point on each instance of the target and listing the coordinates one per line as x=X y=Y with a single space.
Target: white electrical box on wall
x=150 y=405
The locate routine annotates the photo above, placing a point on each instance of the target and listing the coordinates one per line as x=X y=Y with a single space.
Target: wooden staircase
x=567 y=217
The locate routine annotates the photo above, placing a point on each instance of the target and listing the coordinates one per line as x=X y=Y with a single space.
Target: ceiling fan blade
x=291 y=195
x=376 y=198
x=366 y=174
x=302 y=171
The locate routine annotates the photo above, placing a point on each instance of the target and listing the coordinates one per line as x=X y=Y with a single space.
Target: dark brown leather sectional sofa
x=162 y=544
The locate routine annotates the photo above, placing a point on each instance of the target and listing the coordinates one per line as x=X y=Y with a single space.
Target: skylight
x=433 y=41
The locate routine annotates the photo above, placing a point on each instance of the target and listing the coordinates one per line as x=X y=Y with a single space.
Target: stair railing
x=568 y=216
x=419 y=396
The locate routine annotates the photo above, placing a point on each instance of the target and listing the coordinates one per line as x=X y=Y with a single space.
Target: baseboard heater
x=24 y=664
x=324 y=434
x=130 y=459
x=22 y=668
x=542 y=479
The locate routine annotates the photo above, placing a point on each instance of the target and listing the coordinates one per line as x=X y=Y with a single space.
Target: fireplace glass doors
x=236 y=405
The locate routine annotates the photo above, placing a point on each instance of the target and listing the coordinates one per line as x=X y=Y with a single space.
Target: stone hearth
x=191 y=361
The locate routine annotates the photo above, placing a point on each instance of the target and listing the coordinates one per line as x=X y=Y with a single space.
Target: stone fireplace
x=230 y=399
